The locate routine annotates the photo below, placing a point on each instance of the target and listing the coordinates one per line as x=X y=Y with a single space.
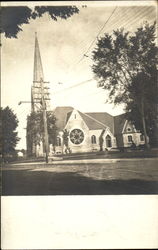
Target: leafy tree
x=143 y=103
x=13 y=17
x=125 y=65
x=35 y=129
x=8 y=134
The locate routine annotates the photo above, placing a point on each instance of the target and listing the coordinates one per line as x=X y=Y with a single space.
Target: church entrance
x=108 y=141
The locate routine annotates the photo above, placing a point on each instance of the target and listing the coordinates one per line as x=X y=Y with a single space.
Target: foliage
x=13 y=17
x=138 y=89
x=8 y=134
x=125 y=65
x=35 y=127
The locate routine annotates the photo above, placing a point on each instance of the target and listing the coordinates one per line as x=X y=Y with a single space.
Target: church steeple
x=38 y=69
x=39 y=88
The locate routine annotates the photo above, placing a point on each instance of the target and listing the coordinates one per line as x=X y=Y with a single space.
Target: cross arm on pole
x=40 y=82
x=19 y=103
x=40 y=87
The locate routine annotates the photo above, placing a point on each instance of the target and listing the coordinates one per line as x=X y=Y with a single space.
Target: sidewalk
x=91 y=157
x=86 y=161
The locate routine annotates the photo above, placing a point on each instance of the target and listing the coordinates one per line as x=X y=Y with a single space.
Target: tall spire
x=39 y=88
x=38 y=69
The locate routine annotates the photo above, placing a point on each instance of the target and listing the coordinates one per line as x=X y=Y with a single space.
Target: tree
x=35 y=129
x=143 y=103
x=8 y=134
x=13 y=17
x=125 y=65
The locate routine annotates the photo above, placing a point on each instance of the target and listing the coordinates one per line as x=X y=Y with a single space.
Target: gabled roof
x=104 y=118
x=68 y=116
x=132 y=127
x=92 y=123
x=119 y=122
x=61 y=114
x=93 y=120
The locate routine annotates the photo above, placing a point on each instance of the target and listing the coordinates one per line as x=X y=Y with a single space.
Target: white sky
x=62 y=45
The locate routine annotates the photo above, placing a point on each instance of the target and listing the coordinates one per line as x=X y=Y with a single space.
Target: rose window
x=76 y=136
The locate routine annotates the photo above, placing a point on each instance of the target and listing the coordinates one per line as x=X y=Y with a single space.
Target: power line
x=139 y=14
x=129 y=17
x=100 y=31
x=74 y=86
x=122 y=19
x=137 y=17
x=96 y=36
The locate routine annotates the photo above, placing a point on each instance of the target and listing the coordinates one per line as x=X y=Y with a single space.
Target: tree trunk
x=144 y=125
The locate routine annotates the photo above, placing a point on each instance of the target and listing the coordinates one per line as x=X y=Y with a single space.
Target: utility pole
x=41 y=99
x=45 y=132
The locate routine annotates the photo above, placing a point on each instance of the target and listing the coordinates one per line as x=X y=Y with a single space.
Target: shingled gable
x=104 y=118
x=92 y=123
x=61 y=114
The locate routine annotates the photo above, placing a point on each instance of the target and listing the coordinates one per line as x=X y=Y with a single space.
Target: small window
x=129 y=129
x=142 y=137
x=129 y=138
x=75 y=116
x=58 y=141
x=93 y=139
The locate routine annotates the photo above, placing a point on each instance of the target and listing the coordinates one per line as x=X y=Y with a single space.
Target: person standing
x=66 y=141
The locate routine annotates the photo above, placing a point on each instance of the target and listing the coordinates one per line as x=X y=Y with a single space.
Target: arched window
x=93 y=139
x=108 y=141
x=129 y=138
x=58 y=141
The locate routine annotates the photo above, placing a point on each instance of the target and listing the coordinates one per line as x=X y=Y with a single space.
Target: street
x=82 y=177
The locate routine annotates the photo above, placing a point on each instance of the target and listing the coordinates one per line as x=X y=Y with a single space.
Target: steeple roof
x=38 y=69
x=39 y=88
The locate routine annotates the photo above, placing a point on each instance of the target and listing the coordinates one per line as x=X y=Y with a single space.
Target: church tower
x=40 y=102
x=39 y=87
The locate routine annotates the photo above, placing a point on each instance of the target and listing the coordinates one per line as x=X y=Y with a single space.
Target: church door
x=108 y=141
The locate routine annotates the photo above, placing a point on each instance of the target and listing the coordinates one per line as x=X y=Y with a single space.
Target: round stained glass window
x=76 y=136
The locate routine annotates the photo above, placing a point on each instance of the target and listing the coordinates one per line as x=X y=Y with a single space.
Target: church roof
x=91 y=122
x=61 y=115
x=104 y=118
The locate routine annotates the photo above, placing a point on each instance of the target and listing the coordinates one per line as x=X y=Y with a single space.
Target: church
x=86 y=132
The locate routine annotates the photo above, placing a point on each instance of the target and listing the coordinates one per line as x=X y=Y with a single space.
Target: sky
x=62 y=46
